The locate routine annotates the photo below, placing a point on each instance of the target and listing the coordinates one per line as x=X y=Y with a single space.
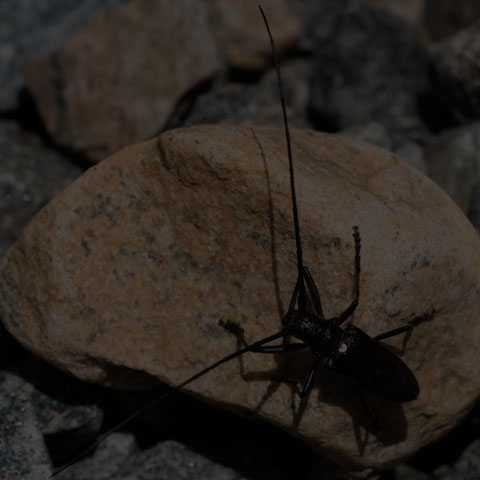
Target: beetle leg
x=238 y=331
x=373 y=418
x=312 y=288
x=308 y=382
x=336 y=321
x=392 y=333
x=293 y=300
x=284 y=347
x=411 y=323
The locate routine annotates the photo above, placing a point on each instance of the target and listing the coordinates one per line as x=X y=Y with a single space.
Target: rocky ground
x=80 y=81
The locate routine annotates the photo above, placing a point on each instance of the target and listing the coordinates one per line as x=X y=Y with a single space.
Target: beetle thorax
x=319 y=335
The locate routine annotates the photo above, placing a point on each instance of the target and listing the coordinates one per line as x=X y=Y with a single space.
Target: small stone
x=126 y=275
x=107 y=462
x=467 y=467
x=373 y=58
x=23 y=453
x=171 y=459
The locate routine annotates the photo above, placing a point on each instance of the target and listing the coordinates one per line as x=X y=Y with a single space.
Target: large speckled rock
x=126 y=274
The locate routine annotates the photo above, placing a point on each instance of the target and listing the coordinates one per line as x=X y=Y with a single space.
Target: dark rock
x=444 y=18
x=53 y=403
x=410 y=11
x=22 y=451
x=453 y=162
x=320 y=19
x=373 y=70
x=256 y=104
x=119 y=457
x=30 y=176
x=107 y=462
x=169 y=460
x=474 y=206
x=467 y=467
x=455 y=65
x=377 y=134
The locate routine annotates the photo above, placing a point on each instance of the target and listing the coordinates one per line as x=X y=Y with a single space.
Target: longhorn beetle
x=349 y=351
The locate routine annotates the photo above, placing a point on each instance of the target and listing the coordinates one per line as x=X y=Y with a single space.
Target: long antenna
x=248 y=348
x=301 y=292
x=145 y=407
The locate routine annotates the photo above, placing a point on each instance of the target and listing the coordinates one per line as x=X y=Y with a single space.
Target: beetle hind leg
x=392 y=333
x=239 y=333
x=370 y=414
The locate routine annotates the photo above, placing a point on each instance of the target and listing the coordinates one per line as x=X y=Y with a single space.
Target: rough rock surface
x=257 y=104
x=131 y=268
x=22 y=451
x=373 y=58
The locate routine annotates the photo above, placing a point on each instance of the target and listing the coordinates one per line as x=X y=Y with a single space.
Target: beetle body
x=372 y=366
x=352 y=353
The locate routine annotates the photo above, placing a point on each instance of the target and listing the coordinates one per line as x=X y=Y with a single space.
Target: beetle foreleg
x=312 y=288
x=356 y=282
x=293 y=300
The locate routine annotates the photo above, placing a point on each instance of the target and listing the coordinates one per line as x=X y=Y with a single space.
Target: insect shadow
x=349 y=351
x=329 y=388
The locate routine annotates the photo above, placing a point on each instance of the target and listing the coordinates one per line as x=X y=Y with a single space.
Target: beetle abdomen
x=373 y=367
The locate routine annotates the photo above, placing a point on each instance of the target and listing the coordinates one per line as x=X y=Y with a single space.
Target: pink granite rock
x=118 y=79
x=126 y=275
